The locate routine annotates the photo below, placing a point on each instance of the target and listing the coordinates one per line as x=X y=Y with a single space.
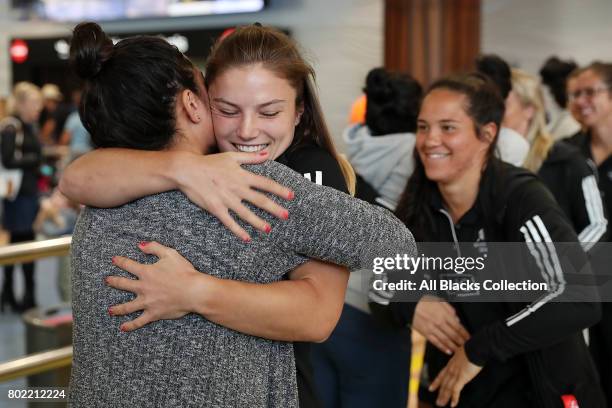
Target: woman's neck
x=460 y=195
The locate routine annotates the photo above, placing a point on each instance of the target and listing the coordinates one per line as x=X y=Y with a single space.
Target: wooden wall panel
x=430 y=38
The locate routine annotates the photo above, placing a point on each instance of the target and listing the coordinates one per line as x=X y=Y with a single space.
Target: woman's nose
x=248 y=128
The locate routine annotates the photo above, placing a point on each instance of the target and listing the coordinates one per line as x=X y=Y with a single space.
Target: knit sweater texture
x=193 y=362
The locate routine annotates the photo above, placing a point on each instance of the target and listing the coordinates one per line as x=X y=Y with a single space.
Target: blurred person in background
x=52 y=117
x=561 y=166
x=21 y=149
x=554 y=74
x=75 y=135
x=511 y=146
x=592 y=99
x=573 y=84
x=381 y=152
x=381 y=149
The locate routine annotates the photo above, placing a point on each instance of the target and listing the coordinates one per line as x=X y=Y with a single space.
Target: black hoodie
x=536 y=348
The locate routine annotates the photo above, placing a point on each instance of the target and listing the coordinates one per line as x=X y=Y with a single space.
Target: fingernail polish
x=267 y=228
x=113 y=260
x=291 y=195
x=122 y=328
x=142 y=243
x=110 y=311
x=246 y=240
x=285 y=215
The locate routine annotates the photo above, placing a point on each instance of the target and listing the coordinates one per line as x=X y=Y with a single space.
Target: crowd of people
x=39 y=135
x=253 y=301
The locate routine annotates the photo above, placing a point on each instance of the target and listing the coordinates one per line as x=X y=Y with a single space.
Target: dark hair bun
x=378 y=86
x=498 y=71
x=554 y=74
x=393 y=102
x=89 y=50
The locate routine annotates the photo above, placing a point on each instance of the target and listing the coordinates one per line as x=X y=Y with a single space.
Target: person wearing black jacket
x=592 y=98
x=560 y=166
x=21 y=150
x=492 y=354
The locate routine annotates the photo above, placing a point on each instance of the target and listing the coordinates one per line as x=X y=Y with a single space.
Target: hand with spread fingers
x=161 y=288
x=450 y=381
x=217 y=183
x=437 y=320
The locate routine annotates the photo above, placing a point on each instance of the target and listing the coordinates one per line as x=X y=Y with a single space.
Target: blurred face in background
x=517 y=116
x=29 y=107
x=446 y=138
x=253 y=110
x=572 y=106
x=592 y=99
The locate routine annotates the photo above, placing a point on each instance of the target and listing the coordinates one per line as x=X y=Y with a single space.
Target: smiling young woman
x=494 y=354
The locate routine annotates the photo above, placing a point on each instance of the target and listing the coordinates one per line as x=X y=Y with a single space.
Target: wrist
x=174 y=168
x=203 y=292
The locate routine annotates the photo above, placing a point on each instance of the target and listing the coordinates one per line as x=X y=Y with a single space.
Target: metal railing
x=47 y=360
x=31 y=251
x=36 y=363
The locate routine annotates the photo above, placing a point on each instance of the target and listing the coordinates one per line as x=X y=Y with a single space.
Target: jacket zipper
x=452 y=227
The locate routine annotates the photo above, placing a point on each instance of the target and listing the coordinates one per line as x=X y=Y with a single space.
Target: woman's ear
x=488 y=132
x=298 y=113
x=192 y=105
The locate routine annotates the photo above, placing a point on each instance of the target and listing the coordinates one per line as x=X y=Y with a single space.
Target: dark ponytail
x=129 y=99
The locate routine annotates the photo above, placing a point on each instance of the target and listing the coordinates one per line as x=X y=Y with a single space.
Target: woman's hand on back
x=217 y=183
x=163 y=289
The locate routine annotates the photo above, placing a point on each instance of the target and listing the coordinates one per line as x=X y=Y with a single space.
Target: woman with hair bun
x=202 y=338
x=554 y=74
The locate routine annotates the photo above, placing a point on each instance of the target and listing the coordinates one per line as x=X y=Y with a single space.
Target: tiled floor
x=12 y=329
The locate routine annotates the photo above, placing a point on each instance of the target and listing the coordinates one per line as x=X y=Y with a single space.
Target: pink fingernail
x=143 y=243
x=122 y=328
x=114 y=261
x=110 y=311
x=267 y=228
x=291 y=195
x=246 y=240
x=285 y=215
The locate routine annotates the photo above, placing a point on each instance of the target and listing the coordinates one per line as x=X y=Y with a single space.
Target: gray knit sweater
x=192 y=362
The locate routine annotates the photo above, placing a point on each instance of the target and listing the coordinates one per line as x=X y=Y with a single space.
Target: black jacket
x=573 y=182
x=320 y=167
x=537 y=348
x=26 y=157
x=604 y=171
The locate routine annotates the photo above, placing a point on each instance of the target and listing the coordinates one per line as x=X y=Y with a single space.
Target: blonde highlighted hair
x=528 y=91
x=21 y=92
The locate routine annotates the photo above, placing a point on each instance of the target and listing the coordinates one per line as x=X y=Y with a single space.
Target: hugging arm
x=304 y=308
x=113 y=177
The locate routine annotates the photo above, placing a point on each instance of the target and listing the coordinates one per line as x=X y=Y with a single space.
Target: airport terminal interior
x=144 y=139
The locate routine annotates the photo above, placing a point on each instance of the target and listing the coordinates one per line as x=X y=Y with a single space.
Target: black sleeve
x=586 y=206
x=318 y=166
x=8 y=146
x=327 y=224
x=537 y=220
